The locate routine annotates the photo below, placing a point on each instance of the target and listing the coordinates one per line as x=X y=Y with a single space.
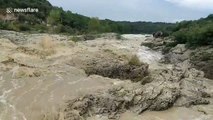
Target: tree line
x=194 y=33
x=51 y=19
x=56 y=20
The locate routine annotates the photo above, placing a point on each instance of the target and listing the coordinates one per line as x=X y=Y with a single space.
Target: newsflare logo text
x=22 y=10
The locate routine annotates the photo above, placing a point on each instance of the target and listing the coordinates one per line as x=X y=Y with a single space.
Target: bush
x=67 y=29
x=40 y=28
x=134 y=60
x=3 y=25
x=168 y=47
x=13 y=26
x=24 y=27
x=194 y=35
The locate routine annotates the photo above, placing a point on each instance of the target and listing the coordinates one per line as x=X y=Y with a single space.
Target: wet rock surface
x=178 y=86
x=201 y=58
x=167 y=88
x=122 y=71
x=118 y=100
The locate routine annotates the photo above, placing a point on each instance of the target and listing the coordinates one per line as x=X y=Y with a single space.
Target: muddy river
x=35 y=89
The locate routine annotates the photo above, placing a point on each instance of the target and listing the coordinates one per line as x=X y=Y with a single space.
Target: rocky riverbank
x=180 y=85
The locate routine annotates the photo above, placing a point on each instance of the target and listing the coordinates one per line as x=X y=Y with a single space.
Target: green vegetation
x=56 y=20
x=134 y=61
x=201 y=56
x=195 y=33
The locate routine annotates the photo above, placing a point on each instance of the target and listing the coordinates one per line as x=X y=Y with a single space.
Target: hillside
x=195 y=33
x=56 y=20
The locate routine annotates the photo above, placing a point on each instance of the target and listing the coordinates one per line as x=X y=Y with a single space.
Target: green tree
x=94 y=25
x=54 y=17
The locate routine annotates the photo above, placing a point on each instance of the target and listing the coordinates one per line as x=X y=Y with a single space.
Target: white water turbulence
x=149 y=56
x=133 y=36
x=144 y=53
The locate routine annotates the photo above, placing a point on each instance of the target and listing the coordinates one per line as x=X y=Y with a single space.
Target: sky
x=139 y=10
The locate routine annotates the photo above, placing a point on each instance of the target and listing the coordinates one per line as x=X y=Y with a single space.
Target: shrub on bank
x=194 y=35
x=134 y=61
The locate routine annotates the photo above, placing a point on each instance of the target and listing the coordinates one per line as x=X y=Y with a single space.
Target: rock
x=160 y=44
x=177 y=54
x=193 y=92
x=153 y=43
x=118 y=100
x=21 y=72
x=158 y=34
x=202 y=59
x=19 y=38
x=179 y=49
x=160 y=91
x=118 y=70
x=179 y=86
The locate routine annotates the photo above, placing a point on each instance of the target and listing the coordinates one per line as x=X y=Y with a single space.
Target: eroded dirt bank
x=50 y=77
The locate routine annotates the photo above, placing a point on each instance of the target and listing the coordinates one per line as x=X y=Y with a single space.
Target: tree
x=94 y=25
x=54 y=17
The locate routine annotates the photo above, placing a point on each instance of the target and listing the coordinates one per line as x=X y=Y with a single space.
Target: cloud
x=194 y=4
x=135 y=10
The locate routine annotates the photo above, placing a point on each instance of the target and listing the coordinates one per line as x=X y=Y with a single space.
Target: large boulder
x=155 y=96
x=118 y=70
x=158 y=34
x=179 y=49
x=202 y=59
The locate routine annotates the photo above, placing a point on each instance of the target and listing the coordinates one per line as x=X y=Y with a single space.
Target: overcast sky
x=139 y=10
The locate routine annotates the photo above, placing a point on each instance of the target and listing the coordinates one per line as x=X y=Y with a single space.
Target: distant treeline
x=194 y=33
x=56 y=20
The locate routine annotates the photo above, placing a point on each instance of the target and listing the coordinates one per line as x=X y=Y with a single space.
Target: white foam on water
x=133 y=36
x=4 y=96
x=121 y=46
x=149 y=56
x=14 y=71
